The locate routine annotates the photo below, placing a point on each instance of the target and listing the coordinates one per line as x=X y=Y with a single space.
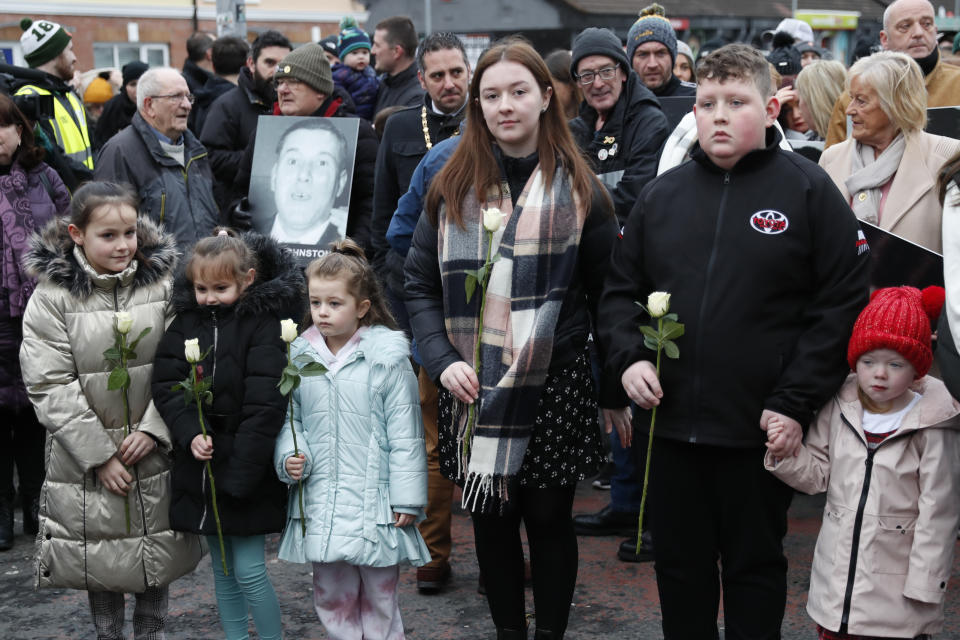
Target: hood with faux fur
x=279 y=287
x=52 y=258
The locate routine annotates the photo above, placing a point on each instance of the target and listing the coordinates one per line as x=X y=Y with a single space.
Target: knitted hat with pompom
x=898 y=318
x=351 y=37
x=652 y=26
x=42 y=41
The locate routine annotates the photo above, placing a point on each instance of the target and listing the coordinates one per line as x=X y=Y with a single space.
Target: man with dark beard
x=232 y=119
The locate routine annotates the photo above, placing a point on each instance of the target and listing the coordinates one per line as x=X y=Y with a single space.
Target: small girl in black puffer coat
x=231 y=296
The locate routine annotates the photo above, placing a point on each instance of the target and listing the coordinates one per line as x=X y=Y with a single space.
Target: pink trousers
x=357 y=603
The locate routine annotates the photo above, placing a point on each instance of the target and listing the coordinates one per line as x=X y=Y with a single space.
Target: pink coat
x=885 y=548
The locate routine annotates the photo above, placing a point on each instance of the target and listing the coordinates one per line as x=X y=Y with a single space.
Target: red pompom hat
x=896 y=318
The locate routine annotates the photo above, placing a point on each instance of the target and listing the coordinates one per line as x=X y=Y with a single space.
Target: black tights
x=546 y=513
x=21 y=444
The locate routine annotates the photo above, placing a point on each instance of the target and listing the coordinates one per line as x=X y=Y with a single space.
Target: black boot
x=6 y=524
x=511 y=634
x=543 y=634
x=31 y=510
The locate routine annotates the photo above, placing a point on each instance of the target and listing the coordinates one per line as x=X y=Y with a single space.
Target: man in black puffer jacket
x=620 y=127
x=231 y=121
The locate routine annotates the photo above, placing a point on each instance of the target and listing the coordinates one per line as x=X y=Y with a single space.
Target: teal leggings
x=247 y=586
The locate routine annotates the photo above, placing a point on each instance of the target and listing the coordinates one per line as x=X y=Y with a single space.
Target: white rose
x=492 y=219
x=191 y=349
x=288 y=330
x=658 y=304
x=124 y=321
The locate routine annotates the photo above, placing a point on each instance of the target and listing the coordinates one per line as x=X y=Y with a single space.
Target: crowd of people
x=474 y=322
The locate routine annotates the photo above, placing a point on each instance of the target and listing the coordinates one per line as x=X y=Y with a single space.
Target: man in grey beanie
x=652 y=50
x=621 y=130
x=305 y=88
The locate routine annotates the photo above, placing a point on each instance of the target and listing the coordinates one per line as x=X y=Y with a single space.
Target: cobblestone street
x=613 y=599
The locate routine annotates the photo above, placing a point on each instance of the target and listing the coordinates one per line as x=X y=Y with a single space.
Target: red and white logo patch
x=862 y=246
x=769 y=222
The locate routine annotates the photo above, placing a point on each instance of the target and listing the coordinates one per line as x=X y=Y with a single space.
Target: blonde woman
x=888 y=168
x=818 y=86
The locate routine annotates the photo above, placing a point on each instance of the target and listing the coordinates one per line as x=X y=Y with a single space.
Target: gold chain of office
x=426 y=129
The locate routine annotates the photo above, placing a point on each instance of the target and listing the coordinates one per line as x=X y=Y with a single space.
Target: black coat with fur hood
x=248 y=410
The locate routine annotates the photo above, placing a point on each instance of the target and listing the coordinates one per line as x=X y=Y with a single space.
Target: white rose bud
x=658 y=304
x=124 y=321
x=492 y=219
x=191 y=349
x=288 y=330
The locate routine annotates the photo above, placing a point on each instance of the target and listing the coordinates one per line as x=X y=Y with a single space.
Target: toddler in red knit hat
x=884 y=449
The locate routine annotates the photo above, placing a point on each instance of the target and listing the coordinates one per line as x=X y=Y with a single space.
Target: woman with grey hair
x=818 y=86
x=888 y=168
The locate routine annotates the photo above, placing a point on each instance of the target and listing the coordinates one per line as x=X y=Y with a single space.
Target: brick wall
x=174 y=32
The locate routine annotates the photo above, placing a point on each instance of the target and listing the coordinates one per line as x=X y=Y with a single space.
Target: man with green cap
x=47 y=47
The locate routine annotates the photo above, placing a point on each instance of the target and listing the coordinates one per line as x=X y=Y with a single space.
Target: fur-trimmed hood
x=51 y=257
x=279 y=287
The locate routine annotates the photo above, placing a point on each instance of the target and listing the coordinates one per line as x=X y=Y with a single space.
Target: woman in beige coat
x=888 y=168
x=885 y=450
x=105 y=261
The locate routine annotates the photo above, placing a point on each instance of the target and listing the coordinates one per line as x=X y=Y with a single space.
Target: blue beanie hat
x=652 y=26
x=351 y=37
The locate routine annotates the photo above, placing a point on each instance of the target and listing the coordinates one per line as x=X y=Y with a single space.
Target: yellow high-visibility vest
x=69 y=124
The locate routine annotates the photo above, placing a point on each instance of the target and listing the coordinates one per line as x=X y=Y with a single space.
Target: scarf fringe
x=490 y=491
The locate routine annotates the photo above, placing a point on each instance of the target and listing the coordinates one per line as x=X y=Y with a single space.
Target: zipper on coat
x=163 y=205
x=855 y=543
x=697 y=381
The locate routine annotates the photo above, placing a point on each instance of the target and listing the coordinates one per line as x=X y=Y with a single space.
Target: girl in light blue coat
x=362 y=459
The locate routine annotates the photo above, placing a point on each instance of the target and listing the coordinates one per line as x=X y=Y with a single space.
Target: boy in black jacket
x=767 y=268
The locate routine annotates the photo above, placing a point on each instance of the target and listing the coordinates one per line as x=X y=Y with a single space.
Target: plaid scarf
x=538 y=253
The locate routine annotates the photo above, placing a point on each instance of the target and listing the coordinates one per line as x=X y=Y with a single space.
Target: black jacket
x=117 y=114
x=424 y=296
x=247 y=411
x=365 y=161
x=195 y=75
x=399 y=89
x=768 y=282
x=625 y=152
x=675 y=87
x=401 y=149
x=230 y=124
x=204 y=98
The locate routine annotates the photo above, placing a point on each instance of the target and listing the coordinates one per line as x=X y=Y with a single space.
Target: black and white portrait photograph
x=301 y=178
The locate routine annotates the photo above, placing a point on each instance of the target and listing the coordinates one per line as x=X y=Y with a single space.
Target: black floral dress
x=565 y=444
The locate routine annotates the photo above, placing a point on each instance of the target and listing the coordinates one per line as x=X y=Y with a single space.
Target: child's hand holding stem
x=294 y=466
x=201 y=447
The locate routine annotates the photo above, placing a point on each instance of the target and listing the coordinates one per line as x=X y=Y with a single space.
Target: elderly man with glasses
x=163 y=161
x=621 y=129
x=620 y=126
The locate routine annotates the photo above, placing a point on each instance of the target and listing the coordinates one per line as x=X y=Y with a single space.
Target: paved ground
x=613 y=599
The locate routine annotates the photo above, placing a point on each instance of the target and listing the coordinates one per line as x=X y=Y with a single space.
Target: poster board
x=301 y=180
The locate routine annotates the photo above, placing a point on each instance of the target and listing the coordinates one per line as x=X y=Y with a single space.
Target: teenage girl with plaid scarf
x=532 y=434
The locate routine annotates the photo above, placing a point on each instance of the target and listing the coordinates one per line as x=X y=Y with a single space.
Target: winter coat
x=361 y=85
x=912 y=209
x=401 y=89
x=951 y=256
x=401 y=149
x=195 y=75
x=675 y=88
x=204 y=97
x=885 y=550
x=624 y=152
x=361 y=433
x=578 y=311
x=768 y=283
x=248 y=409
x=180 y=198
x=117 y=114
x=364 y=165
x=26 y=206
x=83 y=541
x=229 y=126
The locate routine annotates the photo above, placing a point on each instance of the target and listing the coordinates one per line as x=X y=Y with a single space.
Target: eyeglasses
x=178 y=97
x=293 y=83
x=587 y=77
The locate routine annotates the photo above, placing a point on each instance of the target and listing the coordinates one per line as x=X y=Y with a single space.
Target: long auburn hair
x=473 y=165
